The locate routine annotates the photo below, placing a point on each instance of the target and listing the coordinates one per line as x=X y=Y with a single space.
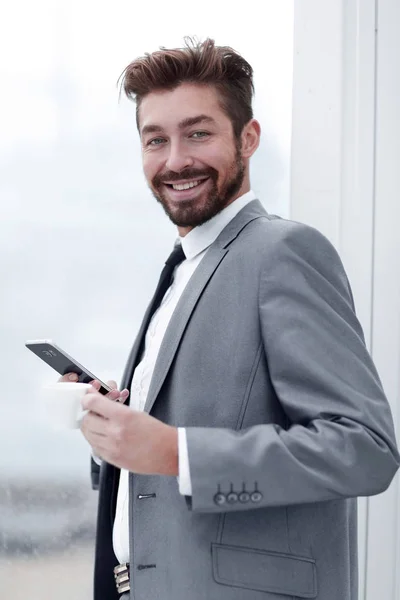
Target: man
x=256 y=414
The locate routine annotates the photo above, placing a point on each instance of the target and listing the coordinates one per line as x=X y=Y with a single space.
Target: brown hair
x=200 y=63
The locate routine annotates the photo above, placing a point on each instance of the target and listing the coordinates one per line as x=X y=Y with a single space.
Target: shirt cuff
x=185 y=484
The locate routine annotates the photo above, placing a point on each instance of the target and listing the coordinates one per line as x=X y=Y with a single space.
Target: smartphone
x=62 y=362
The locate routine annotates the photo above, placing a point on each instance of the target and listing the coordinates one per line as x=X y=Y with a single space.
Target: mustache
x=184 y=174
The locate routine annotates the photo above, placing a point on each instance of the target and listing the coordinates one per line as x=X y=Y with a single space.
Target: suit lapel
x=180 y=318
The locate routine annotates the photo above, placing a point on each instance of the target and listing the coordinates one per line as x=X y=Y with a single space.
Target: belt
x=122 y=580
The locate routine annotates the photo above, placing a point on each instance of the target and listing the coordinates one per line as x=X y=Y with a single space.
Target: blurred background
x=76 y=223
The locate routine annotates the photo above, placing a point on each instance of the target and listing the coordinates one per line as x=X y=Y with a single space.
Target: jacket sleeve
x=340 y=441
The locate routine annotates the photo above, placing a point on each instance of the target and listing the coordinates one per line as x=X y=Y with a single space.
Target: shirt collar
x=201 y=237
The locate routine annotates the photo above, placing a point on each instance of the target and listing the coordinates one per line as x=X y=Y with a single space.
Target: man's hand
x=115 y=394
x=129 y=439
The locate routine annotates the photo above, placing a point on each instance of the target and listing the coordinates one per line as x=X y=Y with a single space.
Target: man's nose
x=178 y=159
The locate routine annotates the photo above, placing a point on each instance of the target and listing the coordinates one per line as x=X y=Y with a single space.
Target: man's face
x=191 y=158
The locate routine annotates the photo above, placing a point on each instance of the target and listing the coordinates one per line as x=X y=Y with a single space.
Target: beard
x=192 y=213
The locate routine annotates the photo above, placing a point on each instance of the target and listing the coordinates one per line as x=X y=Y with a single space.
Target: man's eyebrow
x=189 y=122
x=151 y=129
x=195 y=121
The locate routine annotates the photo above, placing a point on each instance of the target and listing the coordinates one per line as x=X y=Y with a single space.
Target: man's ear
x=250 y=138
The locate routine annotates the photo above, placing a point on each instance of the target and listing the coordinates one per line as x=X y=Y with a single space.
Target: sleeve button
x=244 y=497
x=232 y=497
x=256 y=497
x=219 y=499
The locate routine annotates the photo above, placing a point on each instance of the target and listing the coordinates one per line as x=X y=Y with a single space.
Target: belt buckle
x=121 y=575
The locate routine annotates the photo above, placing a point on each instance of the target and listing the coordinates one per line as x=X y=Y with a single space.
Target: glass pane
x=82 y=240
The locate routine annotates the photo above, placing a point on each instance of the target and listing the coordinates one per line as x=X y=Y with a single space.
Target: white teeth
x=185 y=186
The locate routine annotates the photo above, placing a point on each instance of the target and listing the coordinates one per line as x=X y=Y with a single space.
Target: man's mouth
x=187 y=185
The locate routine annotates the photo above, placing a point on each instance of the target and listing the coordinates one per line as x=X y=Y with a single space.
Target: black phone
x=62 y=362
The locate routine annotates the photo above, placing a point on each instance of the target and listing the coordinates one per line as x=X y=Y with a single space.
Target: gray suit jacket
x=264 y=363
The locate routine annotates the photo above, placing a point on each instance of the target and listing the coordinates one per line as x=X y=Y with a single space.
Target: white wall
x=345 y=149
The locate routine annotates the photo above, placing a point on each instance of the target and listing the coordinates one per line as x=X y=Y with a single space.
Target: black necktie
x=174 y=259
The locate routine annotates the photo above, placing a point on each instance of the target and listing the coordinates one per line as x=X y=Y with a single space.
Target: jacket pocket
x=264 y=571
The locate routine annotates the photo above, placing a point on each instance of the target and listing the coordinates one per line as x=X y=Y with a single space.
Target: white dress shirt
x=195 y=245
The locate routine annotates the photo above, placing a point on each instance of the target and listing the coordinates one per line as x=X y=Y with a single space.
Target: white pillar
x=343 y=128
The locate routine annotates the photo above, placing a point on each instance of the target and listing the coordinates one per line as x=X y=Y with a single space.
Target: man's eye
x=155 y=142
x=200 y=134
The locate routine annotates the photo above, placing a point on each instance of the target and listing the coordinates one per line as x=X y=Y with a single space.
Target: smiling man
x=256 y=415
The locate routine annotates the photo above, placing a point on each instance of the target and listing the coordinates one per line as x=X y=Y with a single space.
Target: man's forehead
x=177 y=108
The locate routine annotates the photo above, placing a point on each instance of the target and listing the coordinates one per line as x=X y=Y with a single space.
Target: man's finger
x=117 y=395
x=123 y=396
x=99 y=450
x=113 y=395
x=68 y=377
x=94 y=425
x=96 y=384
x=100 y=405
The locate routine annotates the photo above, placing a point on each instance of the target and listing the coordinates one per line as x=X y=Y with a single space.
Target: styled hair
x=201 y=63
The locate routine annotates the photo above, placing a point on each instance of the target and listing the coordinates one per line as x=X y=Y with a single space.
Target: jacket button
x=232 y=497
x=219 y=499
x=244 y=497
x=256 y=497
